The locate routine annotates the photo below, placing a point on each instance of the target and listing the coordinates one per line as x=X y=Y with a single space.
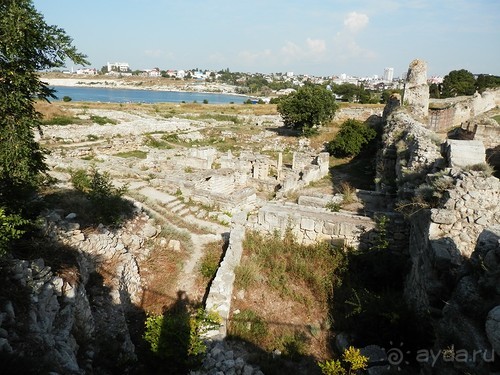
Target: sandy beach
x=138 y=83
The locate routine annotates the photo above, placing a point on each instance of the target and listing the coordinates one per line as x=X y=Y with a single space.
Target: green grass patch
x=102 y=120
x=249 y=326
x=210 y=261
x=62 y=120
x=153 y=142
x=497 y=118
x=297 y=271
x=217 y=117
x=132 y=154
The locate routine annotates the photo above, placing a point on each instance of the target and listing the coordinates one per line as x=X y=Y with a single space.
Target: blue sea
x=107 y=95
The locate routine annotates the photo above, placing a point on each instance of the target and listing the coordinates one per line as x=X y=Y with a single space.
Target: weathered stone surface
x=493 y=328
x=416 y=94
x=442 y=216
x=462 y=153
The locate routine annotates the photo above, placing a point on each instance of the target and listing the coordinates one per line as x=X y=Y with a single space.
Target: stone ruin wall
x=358 y=112
x=313 y=224
x=447 y=235
x=455 y=247
x=233 y=187
x=75 y=317
x=408 y=152
x=448 y=113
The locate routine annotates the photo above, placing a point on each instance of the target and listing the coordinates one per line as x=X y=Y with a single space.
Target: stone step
x=183 y=212
x=173 y=203
x=157 y=195
x=201 y=214
x=177 y=208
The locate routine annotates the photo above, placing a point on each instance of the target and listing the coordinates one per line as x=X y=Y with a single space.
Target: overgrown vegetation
x=351 y=138
x=372 y=291
x=284 y=262
x=27 y=46
x=176 y=336
x=62 y=120
x=284 y=273
x=352 y=362
x=108 y=205
x=154 y=142
x=102 y=120
x=11 y=228
x=209 y=263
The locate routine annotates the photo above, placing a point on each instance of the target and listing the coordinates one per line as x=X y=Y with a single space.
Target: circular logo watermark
x=396 y=356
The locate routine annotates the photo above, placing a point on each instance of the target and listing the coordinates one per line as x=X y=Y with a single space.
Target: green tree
x=27 y=45
x=307 y=108
x=350 y=139
x=458 y=82
x=348 y=91
x=486 y=81
x=434 y=91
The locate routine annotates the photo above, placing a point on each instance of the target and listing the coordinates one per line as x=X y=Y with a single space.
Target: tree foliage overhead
x=27 y=45
x=310 y=106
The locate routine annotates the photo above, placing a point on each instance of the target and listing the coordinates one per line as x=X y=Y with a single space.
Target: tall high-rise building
x=388 y=74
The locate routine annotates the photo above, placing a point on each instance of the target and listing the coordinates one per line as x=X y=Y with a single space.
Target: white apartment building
x=388 y=74
x=118 y=66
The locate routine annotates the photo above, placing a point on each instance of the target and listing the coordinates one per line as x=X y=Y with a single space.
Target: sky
x=315 y=37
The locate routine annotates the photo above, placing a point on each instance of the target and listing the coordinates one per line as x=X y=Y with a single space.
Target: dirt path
x=186 y=281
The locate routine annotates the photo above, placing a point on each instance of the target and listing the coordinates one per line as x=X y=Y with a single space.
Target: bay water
x=111 y=95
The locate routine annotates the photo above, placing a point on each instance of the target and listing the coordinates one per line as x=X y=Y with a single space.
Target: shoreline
x=113 y=83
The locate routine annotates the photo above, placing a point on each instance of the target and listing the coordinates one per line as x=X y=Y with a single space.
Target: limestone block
x=463 y=153
x=331 y=229
x=307 y=224
x=318 y=226
x=443 y=216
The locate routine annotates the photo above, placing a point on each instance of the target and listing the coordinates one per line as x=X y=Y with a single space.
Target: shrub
x=352 y=361
x=482 y=167
x=177 y=336
x=153 y=142
x=66 y=98
x=107 y=202
x=350 y=139
x=102 y=120
x=332 y=367
x=246 y=275
x=9 y=229
x=333 y=206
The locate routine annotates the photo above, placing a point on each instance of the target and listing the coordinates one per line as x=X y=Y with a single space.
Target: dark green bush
x=108 y=204
x=9 y=229
x=351 y=138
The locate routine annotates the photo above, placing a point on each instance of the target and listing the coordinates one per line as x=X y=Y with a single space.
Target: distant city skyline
x=320 y=38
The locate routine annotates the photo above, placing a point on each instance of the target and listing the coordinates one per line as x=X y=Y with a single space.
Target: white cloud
x=355 y=22
x=291 y=50
x=316 y=46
